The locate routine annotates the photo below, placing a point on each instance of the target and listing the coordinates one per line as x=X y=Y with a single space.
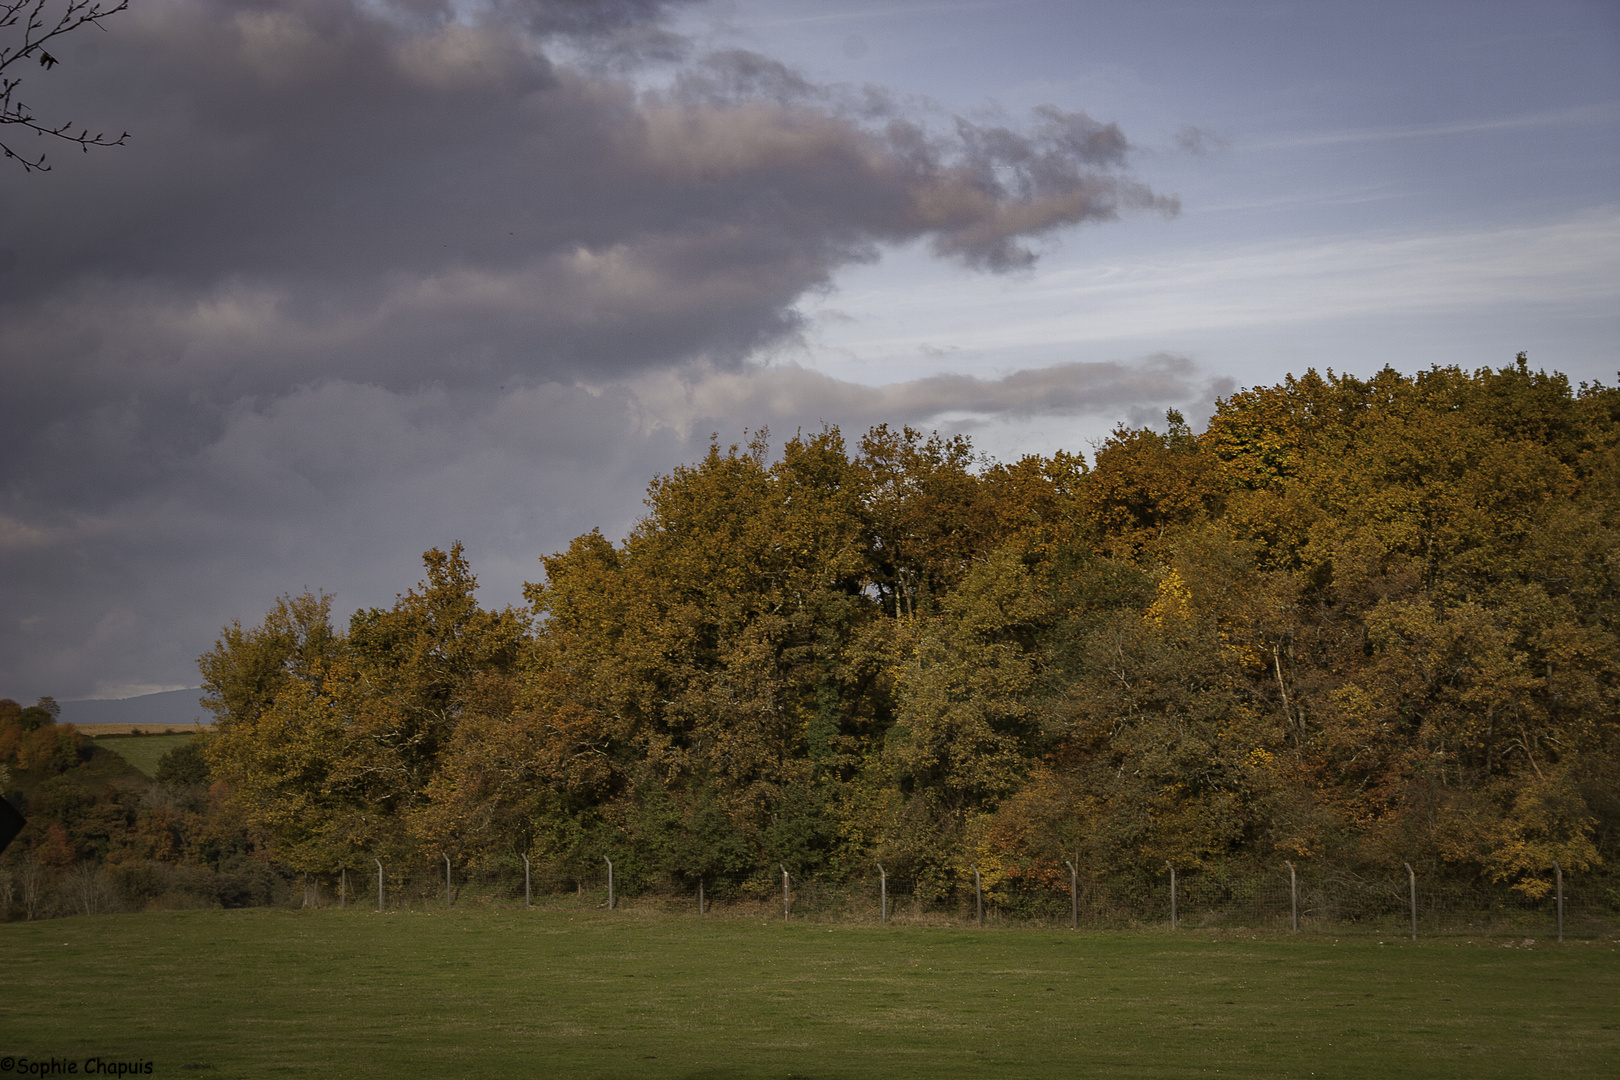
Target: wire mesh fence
x=1338 y=904
x=1312 y=900
x=1348 y=904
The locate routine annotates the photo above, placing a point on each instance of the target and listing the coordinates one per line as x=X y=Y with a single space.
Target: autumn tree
x=927 y=517
x=962 y=737
x=1143 y=484
x=329 y=742
x=1359 y=621
x=713 y=642
x=1439 y=523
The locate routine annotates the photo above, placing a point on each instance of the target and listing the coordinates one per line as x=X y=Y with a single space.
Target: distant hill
x=173 y=708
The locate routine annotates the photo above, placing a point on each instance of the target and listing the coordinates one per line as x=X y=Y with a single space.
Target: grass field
x=143 y=751
x=270 y=993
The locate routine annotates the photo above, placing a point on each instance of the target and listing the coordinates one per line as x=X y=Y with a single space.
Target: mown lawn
x=492 y=993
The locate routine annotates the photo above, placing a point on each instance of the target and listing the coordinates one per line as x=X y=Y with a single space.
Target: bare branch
x=29 y=20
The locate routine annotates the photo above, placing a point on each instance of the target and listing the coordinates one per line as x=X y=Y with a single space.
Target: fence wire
x=1317 y=901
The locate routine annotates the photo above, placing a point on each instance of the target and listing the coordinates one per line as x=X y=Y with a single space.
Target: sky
x=374 y=276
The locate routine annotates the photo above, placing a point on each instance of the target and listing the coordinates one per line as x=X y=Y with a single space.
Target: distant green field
x=594 y=994
x=143 y=751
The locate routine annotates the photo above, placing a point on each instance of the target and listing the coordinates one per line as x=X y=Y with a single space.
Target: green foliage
x=35 y=717
x=184 y=766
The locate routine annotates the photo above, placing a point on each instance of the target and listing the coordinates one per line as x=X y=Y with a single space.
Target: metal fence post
x=1172 y=896
x=446 y=880
x=1074 y=895
x=1293 y=894
x=343 y=887
x=1558 y=875
x=700 y=897
x=1412 y=878
x=610 y=881
x=978 y=896
x=883 y=895
x=379 y=883
x=528 y=901
x=785 y=896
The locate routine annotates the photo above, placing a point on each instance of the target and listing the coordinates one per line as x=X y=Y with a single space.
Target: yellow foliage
x=1173 y=600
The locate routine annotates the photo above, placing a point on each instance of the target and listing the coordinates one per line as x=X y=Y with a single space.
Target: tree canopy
x=1367 y=621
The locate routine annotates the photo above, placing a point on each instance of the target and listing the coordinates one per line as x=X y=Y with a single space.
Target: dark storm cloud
x=326 y=189
x=338 y=298
x=408 y=194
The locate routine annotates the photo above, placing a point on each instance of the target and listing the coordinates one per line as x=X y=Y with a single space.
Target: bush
x=139 y=884
x=184 y=766
x=243 y=881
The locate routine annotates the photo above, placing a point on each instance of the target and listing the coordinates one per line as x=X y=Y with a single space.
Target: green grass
x=143 y=751
x=266 y=993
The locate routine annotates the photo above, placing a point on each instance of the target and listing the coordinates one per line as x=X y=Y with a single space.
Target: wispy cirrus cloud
x=1199 y=289
x=1597 y=113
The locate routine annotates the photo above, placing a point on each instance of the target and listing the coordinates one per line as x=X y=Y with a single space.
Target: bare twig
x=29 y=20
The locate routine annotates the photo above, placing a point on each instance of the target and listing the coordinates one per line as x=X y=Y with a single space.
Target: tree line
x=1355 y=621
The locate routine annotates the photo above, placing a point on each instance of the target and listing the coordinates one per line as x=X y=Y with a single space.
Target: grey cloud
x=327 y=189
x=628 y=48
x=338 y=486
x=1074 y=389
x=790 y=394
x=1198 y=141
x=1041 y=181
x=338 y=298
x=584 y=18
x=344 y=162
x=341 y=485
x=736 y=76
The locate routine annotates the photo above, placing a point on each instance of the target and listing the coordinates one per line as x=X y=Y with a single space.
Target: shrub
x=184 y=766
